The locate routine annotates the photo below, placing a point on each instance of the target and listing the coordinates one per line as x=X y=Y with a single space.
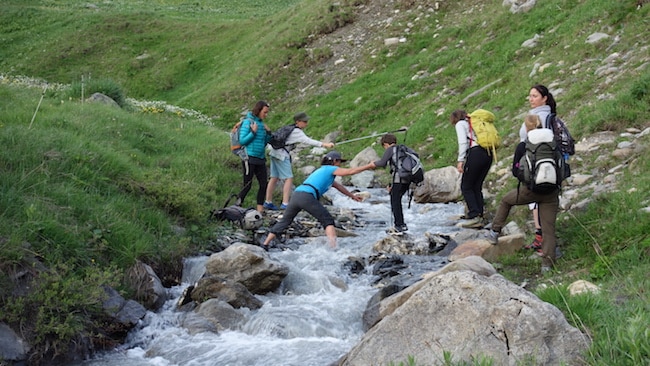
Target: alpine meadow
x=89 y=189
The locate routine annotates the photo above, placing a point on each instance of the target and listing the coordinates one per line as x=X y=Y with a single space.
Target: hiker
x=473 y=163
x=306 y=197
x=254 y=135
x=548 y=203
x=398 y=185
x=542 y=104
x=281 y=161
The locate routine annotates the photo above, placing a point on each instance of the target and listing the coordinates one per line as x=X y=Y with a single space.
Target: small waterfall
x=313 y=319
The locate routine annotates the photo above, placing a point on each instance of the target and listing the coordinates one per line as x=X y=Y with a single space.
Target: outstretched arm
x=350 y=171
x=341 y=188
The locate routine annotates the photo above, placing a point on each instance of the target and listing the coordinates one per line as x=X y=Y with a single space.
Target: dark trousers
x=397 y=190
x=302 y=201
x=254 y=167
x=477 y=165
x=548 y=205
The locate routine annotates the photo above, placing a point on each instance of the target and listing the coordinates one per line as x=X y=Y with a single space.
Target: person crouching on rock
x=306 y=197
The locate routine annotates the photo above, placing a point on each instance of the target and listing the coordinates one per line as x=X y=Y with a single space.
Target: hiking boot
x=283 y=207
x=492 y=237
x=270 y=206
x=536 y=244
x=394 y=231
x=402 y=228
x=473 y=223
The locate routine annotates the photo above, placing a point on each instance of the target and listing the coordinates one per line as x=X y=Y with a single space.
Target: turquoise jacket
x=255 y=143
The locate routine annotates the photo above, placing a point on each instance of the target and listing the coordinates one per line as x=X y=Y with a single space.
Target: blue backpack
x=235 y=146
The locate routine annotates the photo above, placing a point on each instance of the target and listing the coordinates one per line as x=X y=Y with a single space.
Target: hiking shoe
x=283 y=207
x=536 y=244
x=473 y=223
x=492 y=237
x=394 y=231
x=402 y=228
x=270 y=206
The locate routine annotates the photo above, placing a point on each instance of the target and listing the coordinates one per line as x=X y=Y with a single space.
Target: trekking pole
x=38 y=106
x=403 y=129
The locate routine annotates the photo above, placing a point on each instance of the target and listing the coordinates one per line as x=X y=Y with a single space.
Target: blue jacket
x=321 y=179
x=255 y=143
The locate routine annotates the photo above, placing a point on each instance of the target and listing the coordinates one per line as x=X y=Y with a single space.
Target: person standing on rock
x=548 y=203
x=254 y=135
x=398 y=187
x=281 y=161
x=307 y=195
x=473 y=163
x=542 y=104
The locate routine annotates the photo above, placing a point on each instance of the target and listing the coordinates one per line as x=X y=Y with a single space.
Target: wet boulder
x=149 y=290
x=229 y=291
x=249 y=265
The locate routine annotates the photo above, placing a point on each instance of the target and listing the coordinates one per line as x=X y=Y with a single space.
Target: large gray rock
x=229 y=291
x=470 y=316
x=249 y=265
x=148 y=287
x=12 y=347
x=439 y=186
x=222 y=315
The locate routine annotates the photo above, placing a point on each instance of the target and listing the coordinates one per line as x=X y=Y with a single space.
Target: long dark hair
x=550 y=101
x=258 y=107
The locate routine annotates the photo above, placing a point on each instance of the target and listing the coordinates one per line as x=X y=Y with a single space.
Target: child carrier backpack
x=481 y=122
x=246 y=218
x=562 y=134
x=541 y=168
x=235 y=146
x=279 y=137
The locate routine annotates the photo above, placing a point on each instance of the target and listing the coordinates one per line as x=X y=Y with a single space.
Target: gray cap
x=302 y=116
x=334 y=155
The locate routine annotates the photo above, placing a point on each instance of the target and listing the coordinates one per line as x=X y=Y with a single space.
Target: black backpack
x=407 y=165
x=246 y=218
x=541 y=168
x=279 y=137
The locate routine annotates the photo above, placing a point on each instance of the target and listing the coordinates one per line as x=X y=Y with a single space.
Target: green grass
x=89 y=189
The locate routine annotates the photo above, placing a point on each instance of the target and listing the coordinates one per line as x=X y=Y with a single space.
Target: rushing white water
x=313 y=319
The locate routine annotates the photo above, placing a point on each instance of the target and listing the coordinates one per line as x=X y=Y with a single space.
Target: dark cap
x=334 y=155
x=302 y=116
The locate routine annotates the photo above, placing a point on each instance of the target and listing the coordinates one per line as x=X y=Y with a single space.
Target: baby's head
x=532 y=122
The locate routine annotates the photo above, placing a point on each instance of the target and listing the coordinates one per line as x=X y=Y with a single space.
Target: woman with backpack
x=399 y=186
x=548 y=202
x=542 y=104
x=254 y=135
x=473 y=163
x=281 y=161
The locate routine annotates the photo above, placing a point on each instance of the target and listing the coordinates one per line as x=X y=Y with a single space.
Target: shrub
x=85 y=88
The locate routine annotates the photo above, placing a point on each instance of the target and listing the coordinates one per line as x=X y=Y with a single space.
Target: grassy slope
x=91 y=188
